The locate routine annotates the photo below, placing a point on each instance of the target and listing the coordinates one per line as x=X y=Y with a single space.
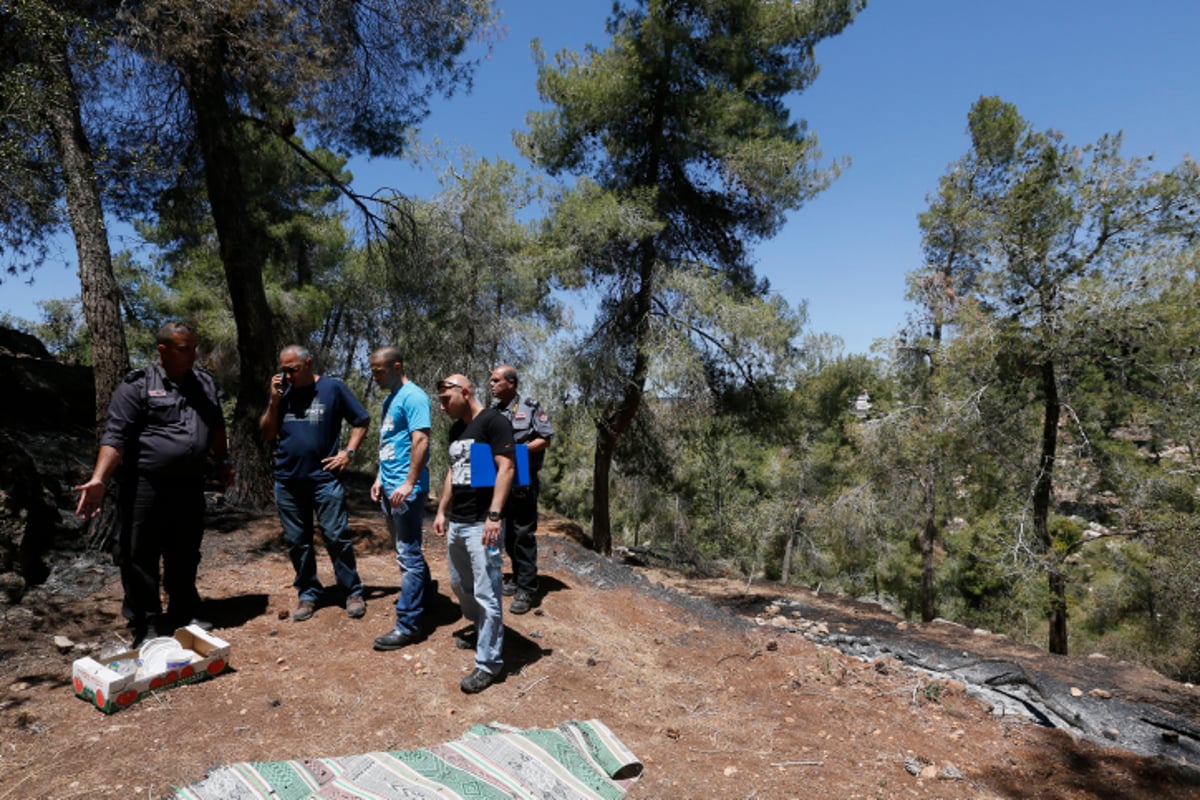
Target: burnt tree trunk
x=1042 y=496
x=927 y=543
x=601 y=470
x=929 y=539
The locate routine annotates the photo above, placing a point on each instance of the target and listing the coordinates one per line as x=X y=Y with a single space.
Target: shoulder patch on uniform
x=134 y=374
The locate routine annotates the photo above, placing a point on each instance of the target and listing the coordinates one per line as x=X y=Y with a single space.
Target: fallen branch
x=728 y=751
x=525 y=691
x=750 y=657
x=797 y=763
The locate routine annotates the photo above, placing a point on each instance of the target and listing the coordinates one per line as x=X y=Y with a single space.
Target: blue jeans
x=405 y=528
x=298 y=501
x=475 y=576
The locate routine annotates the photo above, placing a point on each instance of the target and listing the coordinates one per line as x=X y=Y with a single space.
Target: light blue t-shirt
x=405 y=410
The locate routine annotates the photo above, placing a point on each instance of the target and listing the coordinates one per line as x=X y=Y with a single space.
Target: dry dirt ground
x=713 y=705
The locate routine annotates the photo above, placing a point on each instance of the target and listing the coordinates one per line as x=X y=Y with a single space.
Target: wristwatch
x=349 y=454
x=494 y=516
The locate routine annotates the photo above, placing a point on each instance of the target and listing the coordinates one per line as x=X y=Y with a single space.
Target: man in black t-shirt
x=469 y=515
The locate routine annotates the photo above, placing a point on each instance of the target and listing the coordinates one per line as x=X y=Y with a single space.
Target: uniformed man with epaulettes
x=532 y=428
x=165 y=425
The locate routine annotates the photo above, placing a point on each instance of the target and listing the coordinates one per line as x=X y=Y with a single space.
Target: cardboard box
x=111 y=691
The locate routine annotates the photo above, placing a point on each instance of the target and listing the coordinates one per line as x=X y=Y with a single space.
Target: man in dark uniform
x=532 y=428
x=164 y=424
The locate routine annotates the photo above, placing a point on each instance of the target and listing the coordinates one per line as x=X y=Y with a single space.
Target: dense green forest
x=1021 y=457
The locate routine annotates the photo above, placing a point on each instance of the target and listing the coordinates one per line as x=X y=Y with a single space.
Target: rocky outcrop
x=47 y=440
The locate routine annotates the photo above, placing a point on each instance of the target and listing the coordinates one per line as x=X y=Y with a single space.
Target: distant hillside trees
x=1045 y=236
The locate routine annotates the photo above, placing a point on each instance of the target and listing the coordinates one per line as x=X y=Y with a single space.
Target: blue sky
x=892 y=96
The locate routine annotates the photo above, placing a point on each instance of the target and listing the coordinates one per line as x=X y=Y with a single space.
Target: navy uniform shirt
x=161 y=425
x=529 y=422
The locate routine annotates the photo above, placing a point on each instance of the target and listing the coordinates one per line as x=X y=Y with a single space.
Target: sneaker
x=521 y=603
x=509 y=587
x=356 y=607
x=394 y=640
x=477 y=681
x=465 y=642
x=304 y=610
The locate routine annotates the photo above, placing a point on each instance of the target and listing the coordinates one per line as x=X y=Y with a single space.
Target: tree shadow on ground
x=548 y=585
x=519 y=650
x=233 y=612
x=1092 y=772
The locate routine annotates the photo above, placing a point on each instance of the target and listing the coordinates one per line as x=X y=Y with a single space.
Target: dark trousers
x=162 y=518
x=520 y=540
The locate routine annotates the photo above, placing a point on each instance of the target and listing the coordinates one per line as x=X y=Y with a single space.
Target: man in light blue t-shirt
x=401 y=489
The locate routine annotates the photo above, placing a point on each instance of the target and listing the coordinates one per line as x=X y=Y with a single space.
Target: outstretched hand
x=91 y=498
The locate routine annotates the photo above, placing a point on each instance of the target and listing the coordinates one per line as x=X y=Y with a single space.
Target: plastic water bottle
x=124 y=666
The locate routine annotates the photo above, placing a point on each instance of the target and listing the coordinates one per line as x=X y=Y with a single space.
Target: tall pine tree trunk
x=1042 y=495
x=617 y=420
x=606 y=441
x=242 y=255
x=97 y=285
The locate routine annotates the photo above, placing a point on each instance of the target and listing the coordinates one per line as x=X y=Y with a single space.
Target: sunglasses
x=289 y=370
x=443 y=385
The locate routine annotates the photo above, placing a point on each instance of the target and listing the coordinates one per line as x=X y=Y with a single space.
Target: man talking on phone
x=304 y=417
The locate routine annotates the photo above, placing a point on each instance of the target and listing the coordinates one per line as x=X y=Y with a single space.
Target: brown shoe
x=356 y=607
x=521 y=603
x=304 y=611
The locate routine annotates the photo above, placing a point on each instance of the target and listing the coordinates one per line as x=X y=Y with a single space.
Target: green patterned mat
x=575 y=761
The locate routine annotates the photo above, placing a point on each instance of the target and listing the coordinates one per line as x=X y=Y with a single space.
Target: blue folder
x=483 y=466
